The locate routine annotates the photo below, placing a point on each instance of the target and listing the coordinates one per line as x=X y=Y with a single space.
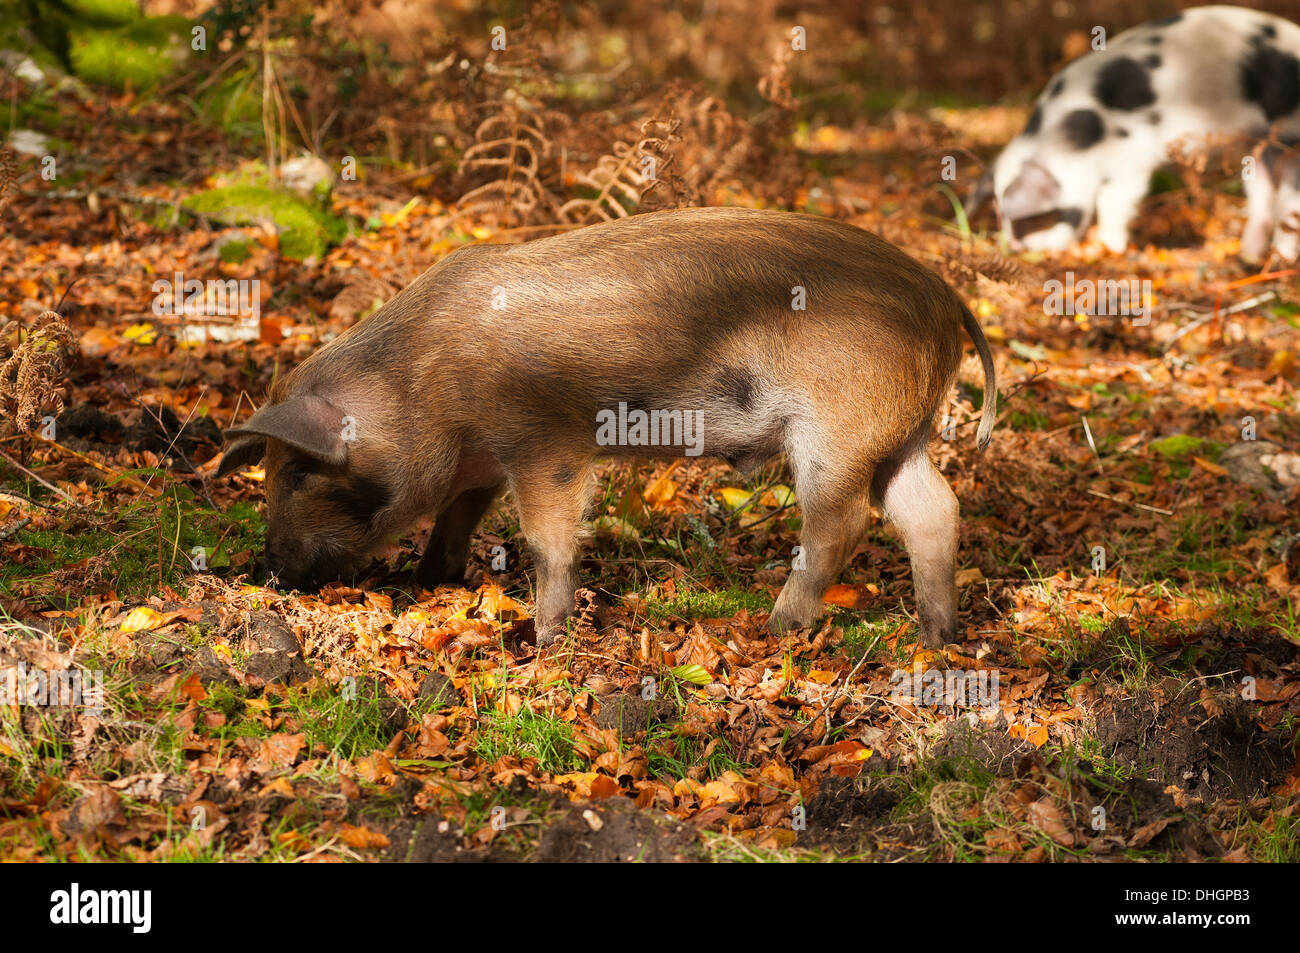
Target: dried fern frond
x=666 y=187
x=511 y=146
x=618 y=182
x=725 y=143
x=774 y=85
x=992 y=266
x=33 y=367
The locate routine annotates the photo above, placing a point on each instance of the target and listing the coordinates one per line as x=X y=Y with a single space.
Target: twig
x=175 y=205
x=840 y=691
x=1087 y=432
x=45 y=483
x=1209 y=316
x=1141 y=506
x=22 y=498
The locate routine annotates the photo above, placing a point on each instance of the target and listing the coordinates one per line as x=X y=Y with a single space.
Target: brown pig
x=720 y=332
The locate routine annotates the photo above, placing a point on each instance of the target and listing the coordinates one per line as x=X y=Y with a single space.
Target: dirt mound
x=614 y=831
x=1210 y=747
x=157 y=429
x=430 y=840
x=630 y=713
x=848 y=814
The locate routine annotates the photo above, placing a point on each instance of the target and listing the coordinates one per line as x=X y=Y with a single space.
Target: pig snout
x=294 y=565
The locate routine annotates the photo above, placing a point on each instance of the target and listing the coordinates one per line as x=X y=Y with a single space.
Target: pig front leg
x=1261 y=203
x=831 y=531
x=445 y=557
x=552 y=496
x=1117 y=206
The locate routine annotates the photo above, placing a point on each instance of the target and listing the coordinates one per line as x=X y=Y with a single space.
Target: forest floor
x=1129 y=571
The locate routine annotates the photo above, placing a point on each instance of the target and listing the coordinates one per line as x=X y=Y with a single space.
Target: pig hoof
x=780 y=625
x=548 y=635
x=935 y=640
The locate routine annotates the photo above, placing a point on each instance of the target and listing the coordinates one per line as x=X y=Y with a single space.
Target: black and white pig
x=1105 y=123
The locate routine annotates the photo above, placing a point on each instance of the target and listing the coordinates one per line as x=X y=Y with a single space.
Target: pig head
x=737 y=334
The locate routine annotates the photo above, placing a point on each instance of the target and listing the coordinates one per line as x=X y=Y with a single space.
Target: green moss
x=130 y=542
x=142 y=54
x=106 y=12
x=305 y=231
x=1179 y=445
x=234 y=252
x=691 y=603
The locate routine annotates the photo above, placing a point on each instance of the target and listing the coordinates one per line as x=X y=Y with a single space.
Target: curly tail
x=989 y=412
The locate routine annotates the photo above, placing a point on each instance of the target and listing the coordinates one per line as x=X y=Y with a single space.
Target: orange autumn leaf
x=193 y=689
x=850 y=597
x=361 y=837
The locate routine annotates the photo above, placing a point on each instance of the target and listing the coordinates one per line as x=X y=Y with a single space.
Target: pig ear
x=310 y=424
x=1034 y=191
x=242 y=452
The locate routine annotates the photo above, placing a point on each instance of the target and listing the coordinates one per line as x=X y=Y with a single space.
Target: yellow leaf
x=734 y=496
x=777 y=496
x=141 y=617
x=420 y=617
x=850 y=597
x=925 y=659
x=969 y=577
x=143 y=333
x=1036 y=735
x=581 y=781
x=399 y=217
x=1282 y=362
x=616 y=527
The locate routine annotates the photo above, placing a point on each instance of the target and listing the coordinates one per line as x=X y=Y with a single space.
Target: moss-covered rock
x=141 y=53
x=305 y=231
x=106 y=12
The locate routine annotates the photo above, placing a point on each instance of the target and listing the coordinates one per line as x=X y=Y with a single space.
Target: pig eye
x=295 y=472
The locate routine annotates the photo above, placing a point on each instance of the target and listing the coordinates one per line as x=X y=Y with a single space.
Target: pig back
x=725 y=309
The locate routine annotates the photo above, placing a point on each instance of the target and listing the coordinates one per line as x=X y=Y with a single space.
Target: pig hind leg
x=552 y=495
x=446 y=555
x=918 y=501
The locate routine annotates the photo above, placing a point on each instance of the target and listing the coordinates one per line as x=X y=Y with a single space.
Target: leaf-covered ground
x=1130 y=572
